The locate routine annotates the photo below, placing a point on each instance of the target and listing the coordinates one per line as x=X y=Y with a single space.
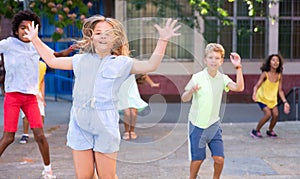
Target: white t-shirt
x=21 y=62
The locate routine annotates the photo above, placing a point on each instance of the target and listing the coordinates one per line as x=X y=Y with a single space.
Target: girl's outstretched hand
x=286 y=108
x=169 y=30
x=32 y=31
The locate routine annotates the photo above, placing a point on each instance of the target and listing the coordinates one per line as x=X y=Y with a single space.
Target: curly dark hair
x=266 y=66
x=24 y=15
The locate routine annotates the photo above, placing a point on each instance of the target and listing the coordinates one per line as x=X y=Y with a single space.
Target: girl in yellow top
x=265 y=93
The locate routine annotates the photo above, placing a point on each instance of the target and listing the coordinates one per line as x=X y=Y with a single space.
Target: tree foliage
x=61 y=13
x=9 y=8
x=205 y=8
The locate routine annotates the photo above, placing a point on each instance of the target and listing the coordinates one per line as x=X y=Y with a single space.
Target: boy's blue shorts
x=198 y=138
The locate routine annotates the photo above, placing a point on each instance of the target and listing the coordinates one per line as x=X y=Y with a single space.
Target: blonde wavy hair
x=120 y=41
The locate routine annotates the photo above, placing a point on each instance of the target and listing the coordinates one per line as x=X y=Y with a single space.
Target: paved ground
x=161 y=148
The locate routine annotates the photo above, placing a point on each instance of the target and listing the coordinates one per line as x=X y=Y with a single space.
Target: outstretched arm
x=66 y=52
x=286 y=105
x=64 y=63
x=239 y=84
x=169 y=31
x=187 y=95
x=151 y=82
x=261 y=79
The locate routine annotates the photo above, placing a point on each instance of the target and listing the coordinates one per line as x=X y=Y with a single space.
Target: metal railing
x=59 y=87
x=293 y=99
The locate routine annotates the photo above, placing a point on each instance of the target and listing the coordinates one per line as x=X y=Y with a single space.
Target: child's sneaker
x=255 y=133
x=271 y=133
x=24 y=139
x=48 y=175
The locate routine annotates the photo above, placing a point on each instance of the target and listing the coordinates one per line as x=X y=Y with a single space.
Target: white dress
x=129 y=96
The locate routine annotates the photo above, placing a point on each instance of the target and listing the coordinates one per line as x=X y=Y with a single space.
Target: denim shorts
x=198 y=138
x=106 y=140
x=261 y=105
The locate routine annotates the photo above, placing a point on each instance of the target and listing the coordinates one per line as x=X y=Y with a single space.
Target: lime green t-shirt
x=206 y=102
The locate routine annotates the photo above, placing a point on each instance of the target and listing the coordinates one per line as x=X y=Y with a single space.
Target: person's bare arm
x=151 y=82
x=187 y=95
x=66 y=52
x=261 y=79
x=64 y=63
x=239 y=84
x=283 y=98
x=169 y=31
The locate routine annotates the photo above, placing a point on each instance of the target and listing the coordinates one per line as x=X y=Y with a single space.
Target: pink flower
x=72 y=16
x=69 y=2
x=89 y=4
x=51 y=4
x=54 y=9
x=59 y=6
x=67 y=10
x=59 y=30
x=82 y=17
x=60 y=17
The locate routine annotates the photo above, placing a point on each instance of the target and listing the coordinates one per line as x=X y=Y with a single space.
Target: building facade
x=253 y=37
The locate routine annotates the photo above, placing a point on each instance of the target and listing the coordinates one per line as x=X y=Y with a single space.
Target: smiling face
x=103 y=38
x=274 y=62
x=21 y=31
x=213 y=60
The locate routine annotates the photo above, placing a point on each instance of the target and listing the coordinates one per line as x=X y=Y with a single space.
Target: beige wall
x=185 y=68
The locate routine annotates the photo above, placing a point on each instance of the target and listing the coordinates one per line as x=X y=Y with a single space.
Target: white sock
x=27 y=135
x=47 y=168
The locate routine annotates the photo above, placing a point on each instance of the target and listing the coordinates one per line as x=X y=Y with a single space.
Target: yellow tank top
x=42 y=72
x=268 y=91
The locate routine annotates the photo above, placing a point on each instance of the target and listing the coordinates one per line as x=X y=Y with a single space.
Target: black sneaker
x=271 y=133
x=255 y=133
x=24 y=139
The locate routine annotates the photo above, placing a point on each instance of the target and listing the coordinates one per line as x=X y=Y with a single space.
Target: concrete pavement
x=160 y=151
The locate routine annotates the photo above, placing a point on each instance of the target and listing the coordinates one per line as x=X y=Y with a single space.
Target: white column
x=120 y=10
x=199 y=45
x=273 y=29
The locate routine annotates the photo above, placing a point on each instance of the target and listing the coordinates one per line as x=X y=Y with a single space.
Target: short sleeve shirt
x=21 y=62
x=99 y=79
x=206 y=102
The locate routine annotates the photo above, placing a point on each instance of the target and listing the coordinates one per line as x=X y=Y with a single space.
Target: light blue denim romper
x=94 y=121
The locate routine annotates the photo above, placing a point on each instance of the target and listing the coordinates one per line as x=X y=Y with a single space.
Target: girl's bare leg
x=274 y=118
x=127 y=121
x=106 y=165
x=84 y=163
x=133 y=116
x=264 y=119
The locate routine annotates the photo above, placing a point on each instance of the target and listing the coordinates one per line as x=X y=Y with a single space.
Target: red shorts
x=13 y=102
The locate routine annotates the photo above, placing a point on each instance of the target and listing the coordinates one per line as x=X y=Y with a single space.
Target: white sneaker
x=47 y=175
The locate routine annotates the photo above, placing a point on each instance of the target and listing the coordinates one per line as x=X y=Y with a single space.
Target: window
x=289 y=29
x=249 y=32
x=142 y=35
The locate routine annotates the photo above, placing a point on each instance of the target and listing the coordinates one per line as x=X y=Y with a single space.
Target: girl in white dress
x=130 y=102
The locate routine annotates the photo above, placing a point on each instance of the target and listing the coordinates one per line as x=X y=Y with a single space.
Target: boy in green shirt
x=206 y=89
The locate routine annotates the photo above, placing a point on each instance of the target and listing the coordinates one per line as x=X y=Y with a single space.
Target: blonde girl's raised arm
x=64 y=63
x=169 y=31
